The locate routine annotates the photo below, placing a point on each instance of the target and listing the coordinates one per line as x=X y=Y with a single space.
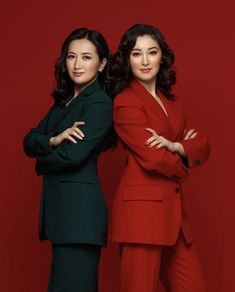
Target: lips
x=145 y=70
x=78 y=74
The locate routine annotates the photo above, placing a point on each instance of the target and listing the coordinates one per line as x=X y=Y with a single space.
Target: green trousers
x=74 y=268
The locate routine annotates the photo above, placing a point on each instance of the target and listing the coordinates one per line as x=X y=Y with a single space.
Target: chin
x=146 y=79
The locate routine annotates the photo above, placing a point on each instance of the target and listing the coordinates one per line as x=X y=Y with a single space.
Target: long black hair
x=64 y=85
x=119 y=72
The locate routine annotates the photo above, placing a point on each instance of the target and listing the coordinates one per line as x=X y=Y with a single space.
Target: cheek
x=133 y=65
x=68 y=65
x=156 y=63
x=93 y=68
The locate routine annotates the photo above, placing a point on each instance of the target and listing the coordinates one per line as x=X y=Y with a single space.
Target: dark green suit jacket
x=73 y=209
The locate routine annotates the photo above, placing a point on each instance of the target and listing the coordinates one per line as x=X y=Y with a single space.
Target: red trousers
x=177 y=266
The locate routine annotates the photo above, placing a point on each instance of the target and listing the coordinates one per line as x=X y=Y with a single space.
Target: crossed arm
x=71 y=147
x=156 y=153
x=130 y=123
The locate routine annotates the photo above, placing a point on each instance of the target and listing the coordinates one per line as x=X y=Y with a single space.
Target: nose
x=77 y=63
x=145 y=60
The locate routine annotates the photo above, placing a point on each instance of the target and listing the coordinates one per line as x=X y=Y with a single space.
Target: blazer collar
x=142 y=93
x=89 y=90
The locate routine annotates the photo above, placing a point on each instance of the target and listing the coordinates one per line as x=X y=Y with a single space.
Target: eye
x=85 y=58
x=135 y=54
x=153 y=53
x=70 y=56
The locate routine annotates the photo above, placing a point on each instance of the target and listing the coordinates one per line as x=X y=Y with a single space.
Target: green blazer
x=73 y=209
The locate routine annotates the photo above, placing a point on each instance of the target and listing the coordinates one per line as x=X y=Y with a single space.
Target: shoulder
x=127 y=98
x=99 y=97
x=100 y=94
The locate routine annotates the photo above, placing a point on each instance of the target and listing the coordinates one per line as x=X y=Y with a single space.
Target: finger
x=151 y=139
x=192 y=132
x=161 y=145
x=158 y=139
x=154 y=143
x=80 y=123
x=79 y=132
x=151 y=131
x=188 y=134
x=193 y=135
x=75 y=134
x=185 y=131
x=70 y=138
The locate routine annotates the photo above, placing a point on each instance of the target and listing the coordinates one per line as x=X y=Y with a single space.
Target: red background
x=201 y=34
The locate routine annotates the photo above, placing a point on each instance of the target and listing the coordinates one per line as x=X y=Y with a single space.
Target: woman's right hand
x=68 y=134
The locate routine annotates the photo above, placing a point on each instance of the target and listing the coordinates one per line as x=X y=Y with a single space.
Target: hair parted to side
x=119 y=72
x=64 y=85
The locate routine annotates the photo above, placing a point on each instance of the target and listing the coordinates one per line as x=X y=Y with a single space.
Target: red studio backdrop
x=202 y=35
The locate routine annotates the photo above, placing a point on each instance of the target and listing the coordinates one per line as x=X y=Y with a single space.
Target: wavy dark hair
x=64 y=85
x=119 y=72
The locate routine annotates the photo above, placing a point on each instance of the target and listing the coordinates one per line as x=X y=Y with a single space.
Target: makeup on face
x=82 y=63
x=145 y=59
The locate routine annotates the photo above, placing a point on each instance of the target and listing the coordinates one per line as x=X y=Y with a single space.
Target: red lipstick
x=146 y=70
x=78 y=74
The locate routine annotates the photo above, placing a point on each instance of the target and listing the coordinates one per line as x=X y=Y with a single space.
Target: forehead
x=82 y=45
x=145 y=42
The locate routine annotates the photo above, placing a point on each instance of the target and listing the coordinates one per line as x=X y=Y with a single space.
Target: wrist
x=179 y=149
x=176 y=146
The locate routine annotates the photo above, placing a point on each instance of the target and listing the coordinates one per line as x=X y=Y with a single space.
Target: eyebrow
x=148 y=49
x=84 y=53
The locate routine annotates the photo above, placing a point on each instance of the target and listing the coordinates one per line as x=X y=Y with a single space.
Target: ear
x=102 y=64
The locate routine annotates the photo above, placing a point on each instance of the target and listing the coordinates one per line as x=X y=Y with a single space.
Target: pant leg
x=180 y=269
x=140 y=265
x=74 y=268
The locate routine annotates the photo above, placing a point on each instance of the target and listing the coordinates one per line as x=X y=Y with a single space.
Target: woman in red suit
x=148 y=217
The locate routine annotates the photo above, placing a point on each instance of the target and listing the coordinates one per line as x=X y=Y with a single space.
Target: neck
x=150 y=86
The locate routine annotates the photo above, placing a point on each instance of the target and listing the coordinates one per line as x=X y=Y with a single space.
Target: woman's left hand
x=159 y=141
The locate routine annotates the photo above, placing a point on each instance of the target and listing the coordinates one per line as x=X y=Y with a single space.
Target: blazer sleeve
x=36 y=142
x=130 y=122
x=197 y=149
x=98 y=120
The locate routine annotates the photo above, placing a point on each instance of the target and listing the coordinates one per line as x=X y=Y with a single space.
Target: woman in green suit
x=66 y=145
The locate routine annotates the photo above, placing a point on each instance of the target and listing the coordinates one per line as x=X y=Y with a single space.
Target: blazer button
x=196 y=162
x=177 y=190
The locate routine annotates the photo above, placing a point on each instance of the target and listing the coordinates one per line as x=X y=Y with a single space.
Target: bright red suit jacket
x=148 y=204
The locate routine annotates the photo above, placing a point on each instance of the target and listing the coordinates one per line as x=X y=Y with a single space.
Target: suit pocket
x=143 y=193
x=84 y=177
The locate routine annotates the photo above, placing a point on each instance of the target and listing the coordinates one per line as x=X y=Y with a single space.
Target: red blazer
x=148 y=204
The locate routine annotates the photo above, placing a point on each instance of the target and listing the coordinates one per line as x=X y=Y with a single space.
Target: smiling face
x=145 y=59
x=83 y=64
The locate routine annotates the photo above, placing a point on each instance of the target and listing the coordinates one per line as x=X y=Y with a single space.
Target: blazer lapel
x=149 y=100
x=80 y=97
